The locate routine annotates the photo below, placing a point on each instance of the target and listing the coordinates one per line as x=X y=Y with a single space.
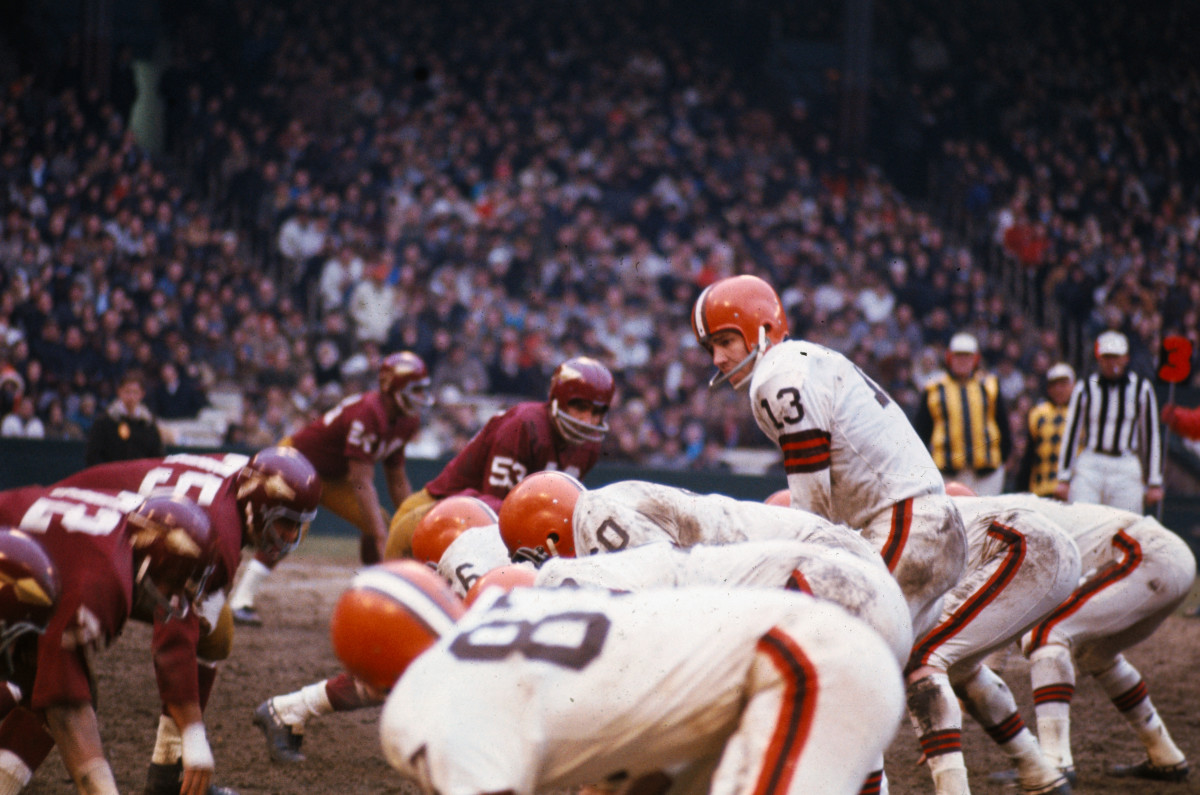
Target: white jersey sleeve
x=848 y=449
x=471 y=555
x=633 y=513
x=638 y=682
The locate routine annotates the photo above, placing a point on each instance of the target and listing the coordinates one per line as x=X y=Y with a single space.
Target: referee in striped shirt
x=1112 y=450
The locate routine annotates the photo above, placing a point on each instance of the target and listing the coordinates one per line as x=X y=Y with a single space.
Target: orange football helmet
x=745 y=304
x=503 y=577
x=446 y=521
x=537 y=513
x=389 y=616
x=781 y=498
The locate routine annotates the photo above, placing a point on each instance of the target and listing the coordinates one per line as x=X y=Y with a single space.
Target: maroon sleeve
x=90 y=615
x=174 y=649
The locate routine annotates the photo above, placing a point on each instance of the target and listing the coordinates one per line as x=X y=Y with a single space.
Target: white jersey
x=549 y=688
x=849 y=450
x=1020 y=566
x=1091 y=526
x=862 y=586
x=471 y=555
x=633 y=513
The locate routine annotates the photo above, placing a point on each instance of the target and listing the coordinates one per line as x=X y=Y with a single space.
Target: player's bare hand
x=195 y=780
x=1062 y=490
x=1154 y=495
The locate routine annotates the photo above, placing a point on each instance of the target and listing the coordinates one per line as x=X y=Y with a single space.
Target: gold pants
x=338 y=497
x=217 y=644
x=400 y=533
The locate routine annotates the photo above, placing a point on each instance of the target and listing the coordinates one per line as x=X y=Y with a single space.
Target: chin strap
x=750 y=360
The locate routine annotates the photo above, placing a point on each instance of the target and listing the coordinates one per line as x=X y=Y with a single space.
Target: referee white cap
x=1112 y=343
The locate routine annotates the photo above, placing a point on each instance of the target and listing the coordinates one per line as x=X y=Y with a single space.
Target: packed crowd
x=502 y=194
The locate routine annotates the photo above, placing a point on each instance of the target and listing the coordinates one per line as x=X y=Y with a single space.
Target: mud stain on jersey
x=665 y=515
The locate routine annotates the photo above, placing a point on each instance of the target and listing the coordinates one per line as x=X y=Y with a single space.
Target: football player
x=850 y=453
x=283 y=718
x=1020 y=566
x=264 y=502
x=116 y=553
x=1136 y=573
x=791 y=695
x=343 y=445
x=562 y=433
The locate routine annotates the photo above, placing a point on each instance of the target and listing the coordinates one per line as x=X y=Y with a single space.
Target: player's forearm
x=77 y=735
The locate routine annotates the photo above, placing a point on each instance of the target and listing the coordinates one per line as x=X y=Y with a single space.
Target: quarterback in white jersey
x=1020 y=566
x=553 y=688
x=1135 y=573
x=849 y=451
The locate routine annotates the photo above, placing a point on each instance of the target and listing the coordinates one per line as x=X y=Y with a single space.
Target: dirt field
x=343 y=751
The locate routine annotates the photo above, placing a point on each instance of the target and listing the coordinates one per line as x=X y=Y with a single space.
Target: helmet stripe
x=698 y=314
x=423 y=607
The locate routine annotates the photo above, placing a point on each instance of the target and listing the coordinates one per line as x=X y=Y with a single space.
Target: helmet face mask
x=175 y=551
x=405 y=378
x=29 y=592
x=746 y=305
x=276 y=488
x=583 y=386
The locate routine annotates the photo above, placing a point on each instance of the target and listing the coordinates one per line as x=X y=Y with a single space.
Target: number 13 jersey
x=848 y=449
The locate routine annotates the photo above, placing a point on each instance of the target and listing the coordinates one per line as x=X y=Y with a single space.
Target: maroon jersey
x=355 y=429
x=207 y=480
x=506 y=449
x=83 y=532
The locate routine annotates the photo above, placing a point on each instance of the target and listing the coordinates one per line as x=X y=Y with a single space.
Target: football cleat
x=1150 y=771
x=247 y=617
x=283 y=744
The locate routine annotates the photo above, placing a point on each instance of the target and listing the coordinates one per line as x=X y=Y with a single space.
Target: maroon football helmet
x=277 y=488
x=404 y=377
x=585 y=379
x=175 y=551
x=29 y=591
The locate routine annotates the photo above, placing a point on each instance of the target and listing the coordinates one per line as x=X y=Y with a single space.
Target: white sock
x=168 y=745
x=247 y=588
x=295 y=709
x=14 y=773
x=1123 y=679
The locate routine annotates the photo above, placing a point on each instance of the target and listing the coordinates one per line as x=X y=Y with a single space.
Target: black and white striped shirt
x=1114 y=418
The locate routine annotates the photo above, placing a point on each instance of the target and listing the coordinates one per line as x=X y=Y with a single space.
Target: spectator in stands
x=175 y=398
x=372 y=302
x=126 y=429
x=22 y=422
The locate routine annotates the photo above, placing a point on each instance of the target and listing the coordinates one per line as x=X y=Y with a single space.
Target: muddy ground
x=343 y=753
